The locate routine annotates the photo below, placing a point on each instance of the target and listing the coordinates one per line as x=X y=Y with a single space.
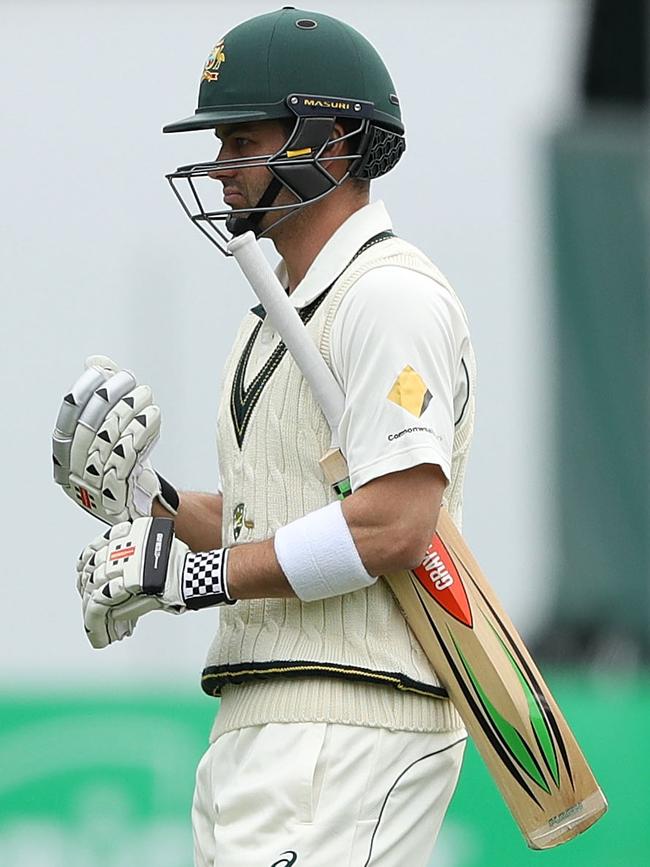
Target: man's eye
x=242 y=142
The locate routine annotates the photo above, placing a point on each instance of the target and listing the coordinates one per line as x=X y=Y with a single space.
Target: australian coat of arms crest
x=215 y=59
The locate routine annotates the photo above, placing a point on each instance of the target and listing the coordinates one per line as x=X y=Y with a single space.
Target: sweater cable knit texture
x=348 y=659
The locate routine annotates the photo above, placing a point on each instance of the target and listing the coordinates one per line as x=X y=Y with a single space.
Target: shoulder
x=394 y=296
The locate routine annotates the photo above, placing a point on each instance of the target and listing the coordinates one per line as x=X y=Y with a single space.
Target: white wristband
x=318 y=555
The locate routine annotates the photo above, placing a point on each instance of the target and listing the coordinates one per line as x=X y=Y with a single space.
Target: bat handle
x=335 y=470
x=285 y=320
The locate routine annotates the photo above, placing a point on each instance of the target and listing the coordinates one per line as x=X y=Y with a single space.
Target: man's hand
x=139 y=567
x=105 y=431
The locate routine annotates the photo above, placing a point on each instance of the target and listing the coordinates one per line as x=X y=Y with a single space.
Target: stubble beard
x=252 y=194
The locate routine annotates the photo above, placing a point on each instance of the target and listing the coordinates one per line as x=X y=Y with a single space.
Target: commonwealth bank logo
x=410 y=392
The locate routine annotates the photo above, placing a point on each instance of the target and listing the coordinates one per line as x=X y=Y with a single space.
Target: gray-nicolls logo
x=437 y=570
x=157 y=551
x=286 y=859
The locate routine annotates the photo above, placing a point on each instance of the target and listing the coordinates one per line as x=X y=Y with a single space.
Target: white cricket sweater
x=348 y=659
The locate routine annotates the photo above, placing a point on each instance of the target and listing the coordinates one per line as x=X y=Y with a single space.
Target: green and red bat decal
x=439 y=577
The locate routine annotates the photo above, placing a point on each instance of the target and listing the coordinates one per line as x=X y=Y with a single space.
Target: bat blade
x=494 y=684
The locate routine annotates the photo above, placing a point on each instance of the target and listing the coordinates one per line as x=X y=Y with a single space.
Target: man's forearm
x=198 y=520
x=254 y=572
x=391 y=520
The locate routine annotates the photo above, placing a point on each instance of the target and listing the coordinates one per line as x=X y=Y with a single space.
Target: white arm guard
x=105 y=431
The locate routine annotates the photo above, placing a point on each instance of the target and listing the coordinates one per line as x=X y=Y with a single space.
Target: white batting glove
x=91 y=558
x=139 y=567
x=104 y=434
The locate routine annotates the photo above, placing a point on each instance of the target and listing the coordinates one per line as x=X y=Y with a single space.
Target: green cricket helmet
x=311 y=70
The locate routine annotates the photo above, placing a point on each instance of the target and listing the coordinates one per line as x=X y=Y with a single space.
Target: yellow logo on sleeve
x=410 y=392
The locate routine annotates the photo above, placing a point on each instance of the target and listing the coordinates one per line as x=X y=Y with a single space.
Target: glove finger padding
x=74 y=403
x=135 y=443
x=100 y=403
x=95 y=553
x=106 y=620
x=73 y=430
x=128 y=462
x=116 y=422
x=71 y=409
x=139 y=572
x=94 y=573
x=92 y=580
x=101 y=361
x=106 y=429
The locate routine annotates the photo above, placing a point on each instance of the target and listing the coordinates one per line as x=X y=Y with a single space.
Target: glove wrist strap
x=205 y=582
x=168 y=496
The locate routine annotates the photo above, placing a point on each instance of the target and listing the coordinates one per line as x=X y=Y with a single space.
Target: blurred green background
x=107 y=782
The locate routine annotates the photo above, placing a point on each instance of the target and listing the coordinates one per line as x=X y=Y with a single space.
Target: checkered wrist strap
x=204 y=579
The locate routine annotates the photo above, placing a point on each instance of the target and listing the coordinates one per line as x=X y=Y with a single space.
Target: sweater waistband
x=331 y=701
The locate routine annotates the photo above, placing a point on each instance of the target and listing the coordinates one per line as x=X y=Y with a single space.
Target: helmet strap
x=238 y=225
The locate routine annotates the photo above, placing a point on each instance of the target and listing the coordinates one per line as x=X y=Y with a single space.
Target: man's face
x=244 y=188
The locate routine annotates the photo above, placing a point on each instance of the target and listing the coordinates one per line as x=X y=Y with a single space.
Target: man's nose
x=219 y=172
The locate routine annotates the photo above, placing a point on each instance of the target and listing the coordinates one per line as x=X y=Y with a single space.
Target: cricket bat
x=472 y=644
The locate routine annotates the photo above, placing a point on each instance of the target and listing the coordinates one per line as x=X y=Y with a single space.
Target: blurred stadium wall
x=97 y=750
x=600 y=200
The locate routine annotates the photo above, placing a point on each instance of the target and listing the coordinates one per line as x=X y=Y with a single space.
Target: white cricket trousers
x=323 y=795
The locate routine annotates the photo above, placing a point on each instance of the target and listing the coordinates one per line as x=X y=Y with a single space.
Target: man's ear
x=336 y=148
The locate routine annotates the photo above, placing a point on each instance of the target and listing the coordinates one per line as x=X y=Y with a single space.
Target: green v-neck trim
x=244 y=400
